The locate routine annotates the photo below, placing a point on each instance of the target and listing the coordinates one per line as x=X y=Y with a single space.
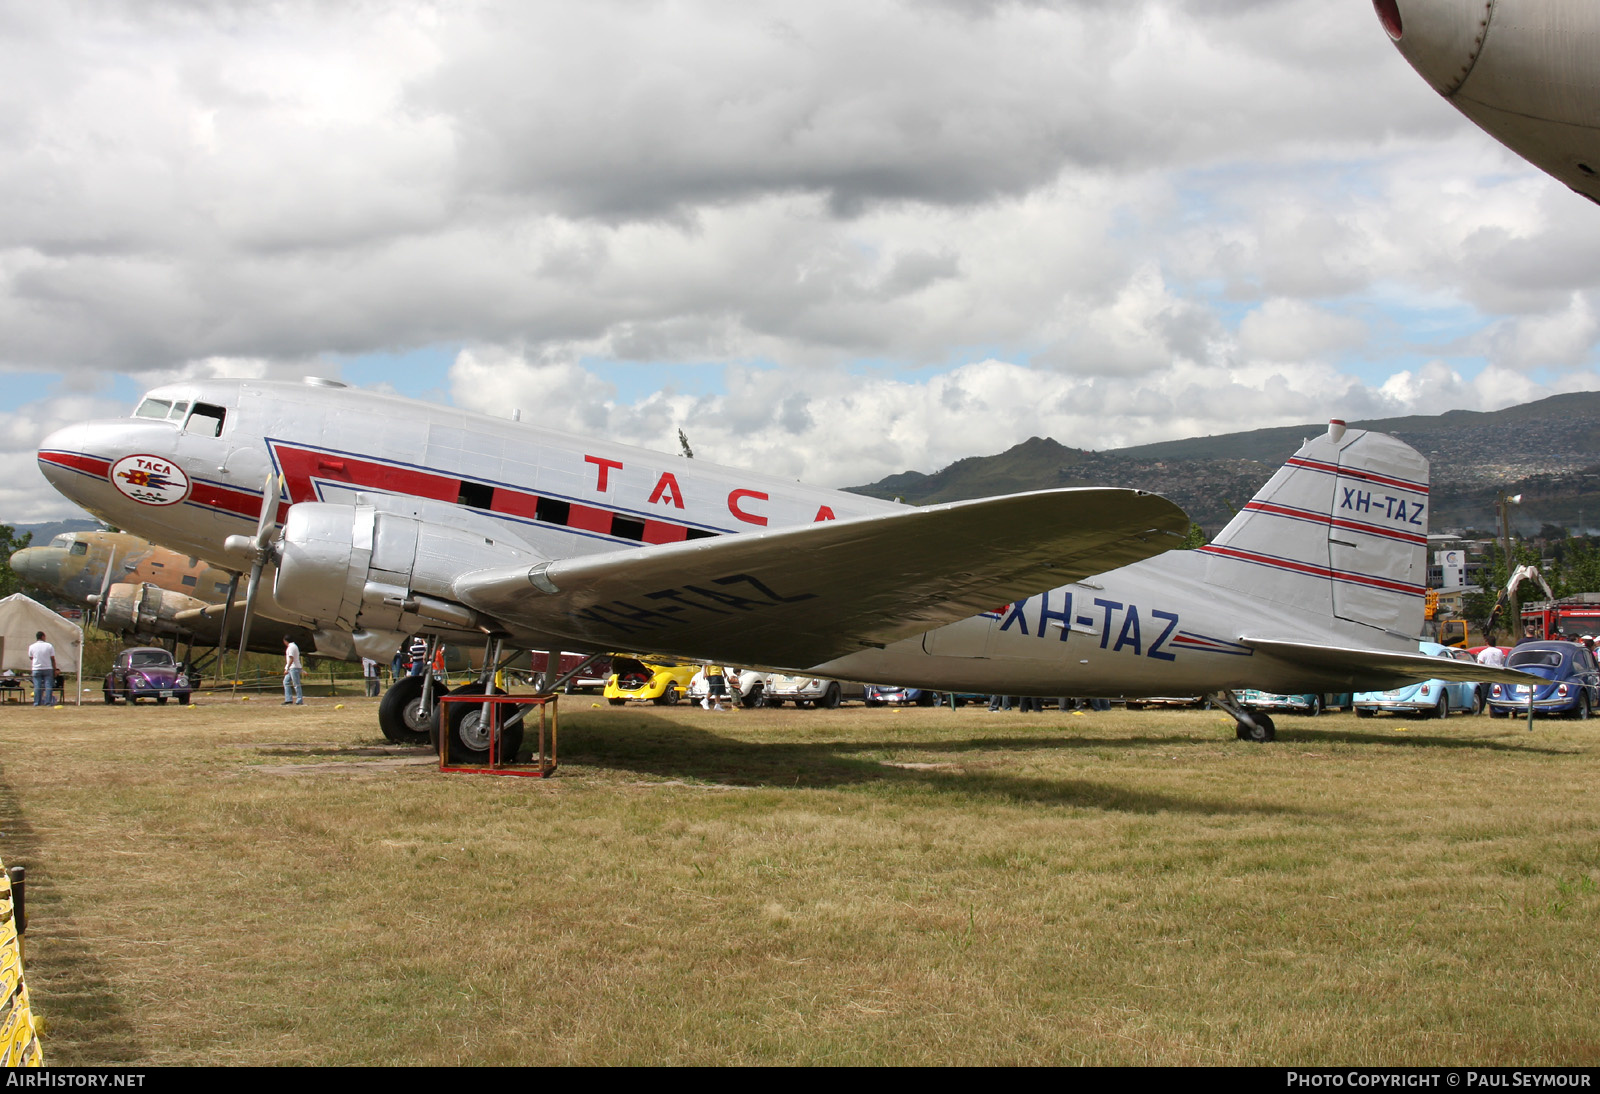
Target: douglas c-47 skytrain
x=382 y=516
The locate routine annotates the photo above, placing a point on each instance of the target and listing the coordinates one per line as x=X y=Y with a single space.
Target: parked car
x=146 y=672
x=1574 y=686
x=1430 y=698
x=809 y=691
x=1201 y=702
x=878 y=695
x=653 y=681
x=1310 y=704
x=747 y=687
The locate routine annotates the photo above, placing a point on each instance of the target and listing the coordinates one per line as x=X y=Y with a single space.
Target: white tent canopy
x=21 y=618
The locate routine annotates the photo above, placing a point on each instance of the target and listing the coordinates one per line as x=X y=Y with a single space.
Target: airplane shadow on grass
x=667 y=748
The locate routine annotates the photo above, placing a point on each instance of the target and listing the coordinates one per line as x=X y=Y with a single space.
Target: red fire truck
x=1567 y=618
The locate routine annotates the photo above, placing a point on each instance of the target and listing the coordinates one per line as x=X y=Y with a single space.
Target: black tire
x=1581 y=711
x=1442 y=711
x=111 y=699
x=161 y=700
x=401 y=716
x=831 y=697
x=1262 y=731
x=805 y=704
x=467 y=733
x=668 y=698
x=616 y=702
x=771 y=703
x=924 y=699
x=752 y=698
x=1493 y=713
x=1365 y=712
x=183 y=699
x=1316 y=706
x=874 y=702
x=1480 y=701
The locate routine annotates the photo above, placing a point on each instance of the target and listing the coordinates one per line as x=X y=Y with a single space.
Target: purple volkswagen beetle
x=146 y=672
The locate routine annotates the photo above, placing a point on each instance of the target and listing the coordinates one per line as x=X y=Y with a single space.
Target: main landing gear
x=1252 y=725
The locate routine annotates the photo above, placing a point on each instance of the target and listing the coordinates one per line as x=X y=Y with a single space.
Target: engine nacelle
x=387 y=566
x=144 y=609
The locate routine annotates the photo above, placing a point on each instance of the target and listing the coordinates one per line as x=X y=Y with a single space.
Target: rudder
x=1341 y=529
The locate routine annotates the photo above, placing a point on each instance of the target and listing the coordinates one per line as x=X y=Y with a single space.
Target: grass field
x=250 y=883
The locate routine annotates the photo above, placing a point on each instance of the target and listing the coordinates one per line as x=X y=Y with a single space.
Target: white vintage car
x=809 y=691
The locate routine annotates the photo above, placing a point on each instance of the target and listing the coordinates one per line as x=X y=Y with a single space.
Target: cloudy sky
x=827 y=240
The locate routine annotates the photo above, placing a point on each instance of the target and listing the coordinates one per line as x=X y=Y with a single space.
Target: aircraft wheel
x=1263 y=730
x=401 y=715
x=468 y=730
x=1442 y=711
x=831 y=697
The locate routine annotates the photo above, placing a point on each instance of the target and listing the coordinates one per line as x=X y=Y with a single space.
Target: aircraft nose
x=1441 y=39
x=29 y=563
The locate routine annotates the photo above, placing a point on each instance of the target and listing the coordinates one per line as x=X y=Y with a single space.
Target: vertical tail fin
x=1341 y=529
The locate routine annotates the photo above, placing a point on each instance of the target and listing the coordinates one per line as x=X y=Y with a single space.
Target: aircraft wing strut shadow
x=520 y=537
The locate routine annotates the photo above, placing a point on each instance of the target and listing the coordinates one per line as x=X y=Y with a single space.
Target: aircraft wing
x=1381 y=669
x=796 y=597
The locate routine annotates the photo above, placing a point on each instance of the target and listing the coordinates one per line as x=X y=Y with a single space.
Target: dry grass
x=249 y=883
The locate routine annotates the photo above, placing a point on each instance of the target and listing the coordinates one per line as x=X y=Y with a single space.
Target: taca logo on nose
x=150 y=480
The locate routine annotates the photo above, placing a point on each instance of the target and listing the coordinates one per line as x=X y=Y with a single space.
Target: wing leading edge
x=797 y=597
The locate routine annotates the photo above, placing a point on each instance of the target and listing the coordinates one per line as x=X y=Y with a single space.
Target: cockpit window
x=153 y=408
x=207 y=420
x=80 y=548
x=63 y=540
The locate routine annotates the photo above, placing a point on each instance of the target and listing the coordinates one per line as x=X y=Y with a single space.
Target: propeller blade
x=269 y=511
x=105 y=586
x=227 y=609
x=263 y=551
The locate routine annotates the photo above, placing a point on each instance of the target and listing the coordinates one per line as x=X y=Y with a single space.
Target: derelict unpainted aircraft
x=383 y=516
x=1524 y=71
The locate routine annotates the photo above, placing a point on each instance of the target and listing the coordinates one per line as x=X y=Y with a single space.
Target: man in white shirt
x=42 y=658
x=369 y=673
x=291 y=674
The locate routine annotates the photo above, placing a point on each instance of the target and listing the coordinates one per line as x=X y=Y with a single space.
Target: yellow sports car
x=659 y=682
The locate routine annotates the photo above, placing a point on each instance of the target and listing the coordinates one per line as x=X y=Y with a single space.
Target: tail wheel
x=401 y=715
x=1262 y=731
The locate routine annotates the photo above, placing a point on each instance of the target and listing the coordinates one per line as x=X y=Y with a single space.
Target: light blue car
x=1429 y=699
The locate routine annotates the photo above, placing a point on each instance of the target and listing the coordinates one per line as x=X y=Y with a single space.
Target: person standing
x=291 y=674
x=369 y=673
x=42 y=658
x=716 y=687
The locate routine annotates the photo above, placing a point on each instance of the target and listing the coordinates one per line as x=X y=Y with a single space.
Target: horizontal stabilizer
x=1379 y=670
x=798 y=596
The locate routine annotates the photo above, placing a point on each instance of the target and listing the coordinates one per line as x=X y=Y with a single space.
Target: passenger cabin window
x=206 y=421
